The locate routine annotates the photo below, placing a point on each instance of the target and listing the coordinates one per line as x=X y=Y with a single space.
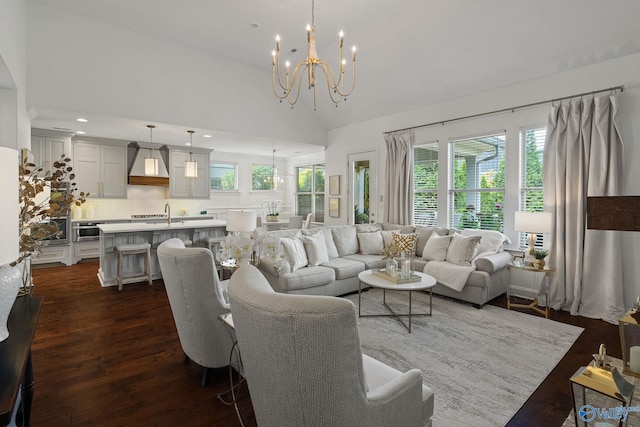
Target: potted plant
x=272 y=209
x=539 y=255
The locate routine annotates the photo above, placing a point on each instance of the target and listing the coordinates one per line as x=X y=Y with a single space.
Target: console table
x=16 y=370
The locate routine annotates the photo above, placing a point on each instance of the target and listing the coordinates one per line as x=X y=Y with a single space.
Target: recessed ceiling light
x=206 y=136
x=81 y=120
x=80 y=132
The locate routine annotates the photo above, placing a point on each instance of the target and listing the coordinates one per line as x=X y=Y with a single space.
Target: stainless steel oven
x=64 y=225
x=85 y=231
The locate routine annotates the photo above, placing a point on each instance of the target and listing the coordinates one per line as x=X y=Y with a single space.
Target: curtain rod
x=511 y=109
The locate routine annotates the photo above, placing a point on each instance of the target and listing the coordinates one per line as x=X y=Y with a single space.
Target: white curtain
x=583 y=157
x=398 y=188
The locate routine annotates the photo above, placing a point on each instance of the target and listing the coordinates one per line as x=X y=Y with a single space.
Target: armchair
x=304 y=366
x=197 y=299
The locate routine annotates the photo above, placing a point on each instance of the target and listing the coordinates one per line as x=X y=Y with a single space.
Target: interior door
x=363 y=188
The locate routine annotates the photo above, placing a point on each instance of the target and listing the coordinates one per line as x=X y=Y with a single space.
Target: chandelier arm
x=331 y=89
x=353 y=83
x=293 y=85
x=276 y=71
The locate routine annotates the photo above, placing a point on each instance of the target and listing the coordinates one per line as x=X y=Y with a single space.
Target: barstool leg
x=147 y=266
x=119 y=271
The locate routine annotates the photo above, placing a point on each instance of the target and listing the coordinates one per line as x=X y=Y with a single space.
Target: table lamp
x=241 y=221
x=532 y=223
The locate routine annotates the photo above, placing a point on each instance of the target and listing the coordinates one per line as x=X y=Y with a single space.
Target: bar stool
x=134 y=249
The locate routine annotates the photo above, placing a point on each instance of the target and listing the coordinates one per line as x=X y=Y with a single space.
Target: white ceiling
x=411 y=53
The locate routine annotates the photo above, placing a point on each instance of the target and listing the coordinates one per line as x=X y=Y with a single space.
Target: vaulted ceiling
x=410 y=53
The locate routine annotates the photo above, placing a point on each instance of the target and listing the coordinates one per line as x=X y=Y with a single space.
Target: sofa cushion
x=370 y=261
x=345 y=268
x=316 y=249
x=461 y=249
x=344 y=236
x=436 y=247
x=368 y=228
x=423 y=235
x=404 y=229
x=371 y=243
x=305 y=278
x=295 y=253
x=406 y=243
x=328 y=240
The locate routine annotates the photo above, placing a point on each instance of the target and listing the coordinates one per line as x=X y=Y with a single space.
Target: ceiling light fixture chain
x=291 y=87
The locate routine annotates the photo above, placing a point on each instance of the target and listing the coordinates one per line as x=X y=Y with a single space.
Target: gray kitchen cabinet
x=48 y=147
x=101 y=169
x=182 y=187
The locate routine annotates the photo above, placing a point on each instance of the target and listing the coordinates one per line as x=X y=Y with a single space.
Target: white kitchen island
x=113 y=235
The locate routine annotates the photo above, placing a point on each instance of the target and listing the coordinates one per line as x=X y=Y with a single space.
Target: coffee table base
x=393 y=313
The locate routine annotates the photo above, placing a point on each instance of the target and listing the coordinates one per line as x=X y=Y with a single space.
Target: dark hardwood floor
x=108 y=358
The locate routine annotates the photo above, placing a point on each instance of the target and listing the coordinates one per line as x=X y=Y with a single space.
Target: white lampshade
x=242 y=221
x=151 y=166
x=9 y=226
x=533 y=222
x=191 y=169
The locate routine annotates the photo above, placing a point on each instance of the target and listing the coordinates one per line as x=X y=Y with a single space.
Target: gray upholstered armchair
x=197 y=299
x=304 y=366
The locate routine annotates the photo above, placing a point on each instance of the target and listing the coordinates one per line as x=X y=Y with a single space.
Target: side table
x=16 y=369
x=534 y=305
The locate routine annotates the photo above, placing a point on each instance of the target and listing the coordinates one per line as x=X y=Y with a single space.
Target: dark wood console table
x=16 y=370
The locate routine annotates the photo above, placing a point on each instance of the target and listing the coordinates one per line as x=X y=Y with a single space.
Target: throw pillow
x=387 y=236
x=461 y=249
x=491 y=242
x=316 y=249
x=436 y=247
x=406 y=242
x=344 y=236
x=295 y=253
x=368 y=228
x=328 y=240
x=371 y=243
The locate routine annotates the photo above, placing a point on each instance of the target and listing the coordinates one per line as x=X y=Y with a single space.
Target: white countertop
x=129 y=219
x=143 y=226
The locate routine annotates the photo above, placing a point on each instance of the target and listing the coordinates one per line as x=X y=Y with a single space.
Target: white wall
x=80 y=64
x=14 y=121
x=369 y=135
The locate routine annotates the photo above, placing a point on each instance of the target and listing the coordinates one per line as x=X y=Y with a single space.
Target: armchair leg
x=205 y=376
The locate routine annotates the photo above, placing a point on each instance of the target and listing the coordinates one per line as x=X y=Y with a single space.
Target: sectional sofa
x=469 y=265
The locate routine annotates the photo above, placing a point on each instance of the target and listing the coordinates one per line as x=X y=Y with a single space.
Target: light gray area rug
x=482 y=364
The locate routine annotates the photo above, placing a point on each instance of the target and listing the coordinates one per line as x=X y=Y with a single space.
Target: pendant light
x=190 y=165
x=151 y=163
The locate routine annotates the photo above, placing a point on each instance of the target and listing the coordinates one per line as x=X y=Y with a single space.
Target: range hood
x=136 y=155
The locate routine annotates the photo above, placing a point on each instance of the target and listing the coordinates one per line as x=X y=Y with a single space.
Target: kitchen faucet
x=168 y=208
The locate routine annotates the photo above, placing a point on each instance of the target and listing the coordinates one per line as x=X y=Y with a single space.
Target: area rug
x=482 y=364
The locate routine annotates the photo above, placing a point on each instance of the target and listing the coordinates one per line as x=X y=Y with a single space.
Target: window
x=262 y=177
x=310 y=191
x=425 y=185
x=223 y=176
x=476 y=182
x=531 y=149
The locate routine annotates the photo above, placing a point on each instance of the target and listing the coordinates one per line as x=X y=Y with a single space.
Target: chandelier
x=190 y=165
x=151 y=162
x=290 y=88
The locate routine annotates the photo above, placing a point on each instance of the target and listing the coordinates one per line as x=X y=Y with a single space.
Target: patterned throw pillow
x=405 y=242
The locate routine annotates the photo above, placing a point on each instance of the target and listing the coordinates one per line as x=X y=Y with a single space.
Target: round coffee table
x=368 y=278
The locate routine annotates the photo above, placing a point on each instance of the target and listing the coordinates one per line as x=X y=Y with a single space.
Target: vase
x=272 y=218
x=539 y=264
x=391 y=266
x=10 y=283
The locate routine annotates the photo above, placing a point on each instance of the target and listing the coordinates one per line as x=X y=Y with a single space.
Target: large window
x=476 y=182
x=262 y=177
x=425 y=179
x=310 y=191
x=531 y=150
x=224 y=176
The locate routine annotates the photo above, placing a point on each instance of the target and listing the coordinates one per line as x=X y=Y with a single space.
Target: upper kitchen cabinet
x=101 y=167
x=183 y=187
x=49 y=146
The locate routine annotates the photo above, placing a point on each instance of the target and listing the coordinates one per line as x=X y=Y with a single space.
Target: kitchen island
x=154 y=233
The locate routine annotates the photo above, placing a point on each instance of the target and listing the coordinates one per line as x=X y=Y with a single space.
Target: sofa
x=469 y=265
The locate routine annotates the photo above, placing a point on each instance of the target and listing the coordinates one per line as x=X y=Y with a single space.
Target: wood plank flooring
x=109 y=358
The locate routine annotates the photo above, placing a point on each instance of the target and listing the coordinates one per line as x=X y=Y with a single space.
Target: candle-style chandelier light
x=290 y=88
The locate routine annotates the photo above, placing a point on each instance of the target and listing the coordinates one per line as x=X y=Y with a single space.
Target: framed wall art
x=334 y=185
x=334 y=207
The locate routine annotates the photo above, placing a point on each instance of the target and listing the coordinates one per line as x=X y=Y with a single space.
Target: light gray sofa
x=345 y=246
